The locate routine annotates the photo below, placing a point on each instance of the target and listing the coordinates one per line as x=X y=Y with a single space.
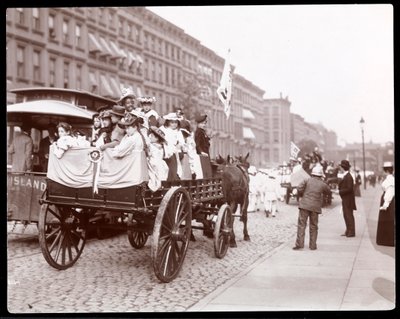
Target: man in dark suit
x=346 y=192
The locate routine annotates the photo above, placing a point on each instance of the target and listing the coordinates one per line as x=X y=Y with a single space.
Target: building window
x=20 y=62
x=275 y=123
x=36 y=20
x=146 y=69
x=153 y=71
x=167 y=49
x=66 y=75
x=137 y=35
x=276 y=137
x=160 y=46
x=275 y=110
x=153 y=44
x=36 y=66
x=160 y=77
x=111 y=20
x=146 y=41
x=65 y=31
x=173 y=77
x=20 y=16
x=52 y=69
x=52 y=31
x=167 y=75
x=78 y=37
x=129 y=31
x=78 y=77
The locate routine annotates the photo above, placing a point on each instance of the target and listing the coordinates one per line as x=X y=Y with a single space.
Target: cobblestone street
x=111 y=276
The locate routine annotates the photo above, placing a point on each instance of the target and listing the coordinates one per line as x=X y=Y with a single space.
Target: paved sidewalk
x=342 y=274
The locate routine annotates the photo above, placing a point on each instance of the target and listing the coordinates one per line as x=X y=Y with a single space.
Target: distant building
x=277 y=122
x=102 y=49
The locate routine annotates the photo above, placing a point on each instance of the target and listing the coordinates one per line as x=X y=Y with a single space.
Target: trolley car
x=39 y=107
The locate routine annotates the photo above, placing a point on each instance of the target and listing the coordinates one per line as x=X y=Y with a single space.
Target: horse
x=235 y=186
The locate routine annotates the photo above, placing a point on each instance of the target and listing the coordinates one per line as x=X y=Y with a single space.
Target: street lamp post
x=362 y=122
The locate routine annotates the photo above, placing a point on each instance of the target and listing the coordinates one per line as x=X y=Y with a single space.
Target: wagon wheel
x=171 y=234
x=62 y=235
x=222 y=231
x=137 y=238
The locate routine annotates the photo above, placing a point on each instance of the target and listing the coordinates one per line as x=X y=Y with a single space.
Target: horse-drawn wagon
x=69 y=202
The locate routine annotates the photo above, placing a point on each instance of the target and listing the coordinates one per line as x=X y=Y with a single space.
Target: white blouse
x=127 y=145
x=388 y=188
x=175 y=141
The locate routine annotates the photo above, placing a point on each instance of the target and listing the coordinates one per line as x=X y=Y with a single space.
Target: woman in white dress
x=158 y=168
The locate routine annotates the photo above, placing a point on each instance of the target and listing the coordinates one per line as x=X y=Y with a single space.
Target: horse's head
x=243 y=161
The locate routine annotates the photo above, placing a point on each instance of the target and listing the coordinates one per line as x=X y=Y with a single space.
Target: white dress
x=175 y=144
x=63 y=144
x=128 y=144
x=158 y=168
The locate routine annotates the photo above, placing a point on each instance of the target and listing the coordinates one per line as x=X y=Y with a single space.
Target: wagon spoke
x=70 y=242
x=55 y=241
x=59 y=246
x=54 y=213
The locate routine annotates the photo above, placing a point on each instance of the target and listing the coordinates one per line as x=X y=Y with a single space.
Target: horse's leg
x=232 y=242
x=244 y=218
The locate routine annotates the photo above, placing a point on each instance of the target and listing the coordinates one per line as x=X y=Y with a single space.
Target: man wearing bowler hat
x=346 y=192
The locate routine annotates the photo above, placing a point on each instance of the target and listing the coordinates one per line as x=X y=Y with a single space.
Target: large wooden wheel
x=222 y=231
x=136 y=238
x=62 y=235
x=171 y=234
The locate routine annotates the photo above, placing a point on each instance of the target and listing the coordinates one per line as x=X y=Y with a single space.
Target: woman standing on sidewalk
x=311 y=192
x=386 y=222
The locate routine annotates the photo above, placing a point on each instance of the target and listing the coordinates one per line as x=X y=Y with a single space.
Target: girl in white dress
x=65 y=140
x=158 y=168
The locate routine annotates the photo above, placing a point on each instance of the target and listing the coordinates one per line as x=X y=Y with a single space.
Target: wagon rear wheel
x=171 y=234
x=136 y=238
x=62 y=235
x=222 y=231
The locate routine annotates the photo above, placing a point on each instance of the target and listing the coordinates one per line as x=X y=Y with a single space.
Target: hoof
x=233 y=245
x=247 y=238
x=192 y=238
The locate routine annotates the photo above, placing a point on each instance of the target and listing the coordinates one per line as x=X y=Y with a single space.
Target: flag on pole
x=224 y=90
x=294 y=150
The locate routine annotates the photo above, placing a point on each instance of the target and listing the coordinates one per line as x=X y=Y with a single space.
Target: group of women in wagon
x=172 y=149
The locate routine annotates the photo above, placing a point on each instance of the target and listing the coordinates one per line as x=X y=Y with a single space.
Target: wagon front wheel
x=222 y=231
x=62 y=235
x=171 y=234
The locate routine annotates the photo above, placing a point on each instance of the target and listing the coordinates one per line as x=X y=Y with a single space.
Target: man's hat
x=118 y=110
x=104 y=114
x=317 y=171
x=201 y=118
x=387 y=164
x=345 y=164
x=127 y=92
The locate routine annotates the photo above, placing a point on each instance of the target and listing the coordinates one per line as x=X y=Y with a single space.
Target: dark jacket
x=346 y=191
x=312 y=191
x=202 y=141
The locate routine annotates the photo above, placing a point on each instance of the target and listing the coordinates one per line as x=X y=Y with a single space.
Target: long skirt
x=357 y=191
x=386 y=225
x=172 y=168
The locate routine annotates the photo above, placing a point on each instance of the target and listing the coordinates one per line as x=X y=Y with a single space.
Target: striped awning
x=248 y=133
x=105 y=88
x=94 y=45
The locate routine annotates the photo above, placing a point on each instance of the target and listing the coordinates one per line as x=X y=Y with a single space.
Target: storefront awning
x=248 y=133
x=131 y=58
x=124 y=55
x=139 y=59
x=106 y=48
x=116 y=51
x=247 y=114
x=94 y=45
x=105 y=88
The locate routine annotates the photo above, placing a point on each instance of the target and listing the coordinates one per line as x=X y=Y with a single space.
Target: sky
x=334 y=62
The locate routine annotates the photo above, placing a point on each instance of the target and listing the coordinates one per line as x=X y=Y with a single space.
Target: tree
x=306 y=147
x=190 y=91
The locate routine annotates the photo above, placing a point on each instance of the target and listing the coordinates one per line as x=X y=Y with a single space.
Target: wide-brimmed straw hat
x=146 y=100
x=128 y=119
x=118 y=110
x=172 y=117
x=126 y=92
x=387 y=164
x=158 y=132
x=317 y=171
